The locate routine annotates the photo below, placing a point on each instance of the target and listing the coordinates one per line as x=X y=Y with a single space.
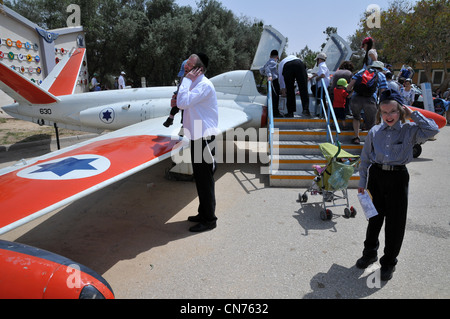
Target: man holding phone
x=197 y=97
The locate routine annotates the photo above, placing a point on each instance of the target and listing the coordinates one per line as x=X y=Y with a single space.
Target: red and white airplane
x=137 y=141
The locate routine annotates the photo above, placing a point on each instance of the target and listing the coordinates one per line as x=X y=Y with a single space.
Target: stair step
x=296 y=149
x=305 y=123
x=309 y=147
x=302 y=179
x=314 y=135
x=297 y=162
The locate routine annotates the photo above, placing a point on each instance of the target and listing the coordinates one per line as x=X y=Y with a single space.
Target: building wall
x=437 y=73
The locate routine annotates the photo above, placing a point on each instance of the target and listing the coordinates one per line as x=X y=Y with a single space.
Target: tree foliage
x=151 y=38
x=412 y=33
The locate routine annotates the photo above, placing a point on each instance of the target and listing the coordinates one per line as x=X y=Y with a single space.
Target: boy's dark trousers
x=275 y=96
x=204 y=166
x=389 y=190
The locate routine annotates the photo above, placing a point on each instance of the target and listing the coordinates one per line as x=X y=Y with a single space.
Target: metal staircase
x=294 y=146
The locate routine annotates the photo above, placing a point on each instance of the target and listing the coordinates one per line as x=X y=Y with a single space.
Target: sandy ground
x=14 y=131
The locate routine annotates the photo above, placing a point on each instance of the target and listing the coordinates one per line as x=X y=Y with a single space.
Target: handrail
x=271 y=123
x=328 y=114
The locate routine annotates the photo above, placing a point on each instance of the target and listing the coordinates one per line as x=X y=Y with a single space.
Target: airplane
x=137 y=140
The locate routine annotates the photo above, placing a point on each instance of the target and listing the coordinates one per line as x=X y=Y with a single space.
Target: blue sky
x=302 y=22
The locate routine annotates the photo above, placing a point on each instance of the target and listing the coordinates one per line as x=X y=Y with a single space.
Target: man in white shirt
x=197 y=97
x=293 y=69
x=122 y=81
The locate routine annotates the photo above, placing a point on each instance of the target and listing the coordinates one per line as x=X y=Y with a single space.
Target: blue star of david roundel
x=69 y=168
x=107 y=116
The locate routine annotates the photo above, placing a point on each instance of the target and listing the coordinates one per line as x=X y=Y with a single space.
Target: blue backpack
x=367 y=83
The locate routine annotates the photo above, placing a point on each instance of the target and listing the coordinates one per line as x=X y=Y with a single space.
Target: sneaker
x=356 y=141
x=168 y=122
x=364 y=262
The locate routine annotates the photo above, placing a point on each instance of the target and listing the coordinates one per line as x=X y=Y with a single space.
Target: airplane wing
x=54 y=180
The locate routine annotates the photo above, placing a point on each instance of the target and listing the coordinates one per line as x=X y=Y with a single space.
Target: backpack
x=367 y=84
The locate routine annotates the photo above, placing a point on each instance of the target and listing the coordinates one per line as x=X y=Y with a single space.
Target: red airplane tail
x=61 y=81
x=21 y=89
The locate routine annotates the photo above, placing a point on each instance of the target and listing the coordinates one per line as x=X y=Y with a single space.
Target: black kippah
x=204 y=58
x=391 y=95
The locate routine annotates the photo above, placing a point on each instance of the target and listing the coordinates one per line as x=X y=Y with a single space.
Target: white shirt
x=121 y=83
x=287 y=59
x=323 y=69
x=94 y=82
x=199 y=101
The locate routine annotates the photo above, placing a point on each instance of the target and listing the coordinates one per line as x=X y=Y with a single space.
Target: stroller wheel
x=347 y=213
x=417 y=150
x=353 y=212
x=303 y=198
x=326 y=214
x=329 y=214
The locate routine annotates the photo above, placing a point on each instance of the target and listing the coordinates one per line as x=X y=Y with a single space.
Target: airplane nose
x=10 y=109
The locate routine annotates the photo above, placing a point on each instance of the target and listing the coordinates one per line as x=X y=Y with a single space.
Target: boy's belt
x=391 y=168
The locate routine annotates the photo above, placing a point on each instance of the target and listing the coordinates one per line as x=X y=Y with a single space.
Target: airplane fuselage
x=116 y=109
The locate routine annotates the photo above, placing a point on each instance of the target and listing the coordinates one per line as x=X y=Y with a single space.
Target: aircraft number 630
x=45 y=111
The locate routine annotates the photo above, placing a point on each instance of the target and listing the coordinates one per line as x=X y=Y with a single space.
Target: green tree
x=150 y=38
x=308 y=57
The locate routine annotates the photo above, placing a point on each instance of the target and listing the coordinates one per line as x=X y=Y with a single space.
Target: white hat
x=377 y=64
x=122 y=73
x=322 y=56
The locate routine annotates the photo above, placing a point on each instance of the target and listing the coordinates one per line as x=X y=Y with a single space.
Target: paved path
x=135 y=234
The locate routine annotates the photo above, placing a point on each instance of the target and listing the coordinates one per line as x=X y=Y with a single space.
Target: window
x=438 y=77
x=422 y=77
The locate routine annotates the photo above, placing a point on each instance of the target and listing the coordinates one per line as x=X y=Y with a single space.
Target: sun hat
x=342 y=82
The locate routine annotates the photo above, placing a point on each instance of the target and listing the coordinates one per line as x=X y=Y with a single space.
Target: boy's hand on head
x=408 y=111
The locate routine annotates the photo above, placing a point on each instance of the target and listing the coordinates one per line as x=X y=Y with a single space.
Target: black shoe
x=195 y=219
x=168 y=122
x=204 y=226
x=386 y=272
x=306 y=112
x=277 y=115
x=289 y=115
x=364 y=262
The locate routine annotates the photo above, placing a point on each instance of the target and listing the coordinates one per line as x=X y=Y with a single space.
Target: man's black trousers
x=293 y=71
x=204 y=166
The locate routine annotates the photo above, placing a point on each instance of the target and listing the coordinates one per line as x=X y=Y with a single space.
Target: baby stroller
x=332 y=178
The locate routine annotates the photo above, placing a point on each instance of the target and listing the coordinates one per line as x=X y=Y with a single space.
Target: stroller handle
x=338 y=144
